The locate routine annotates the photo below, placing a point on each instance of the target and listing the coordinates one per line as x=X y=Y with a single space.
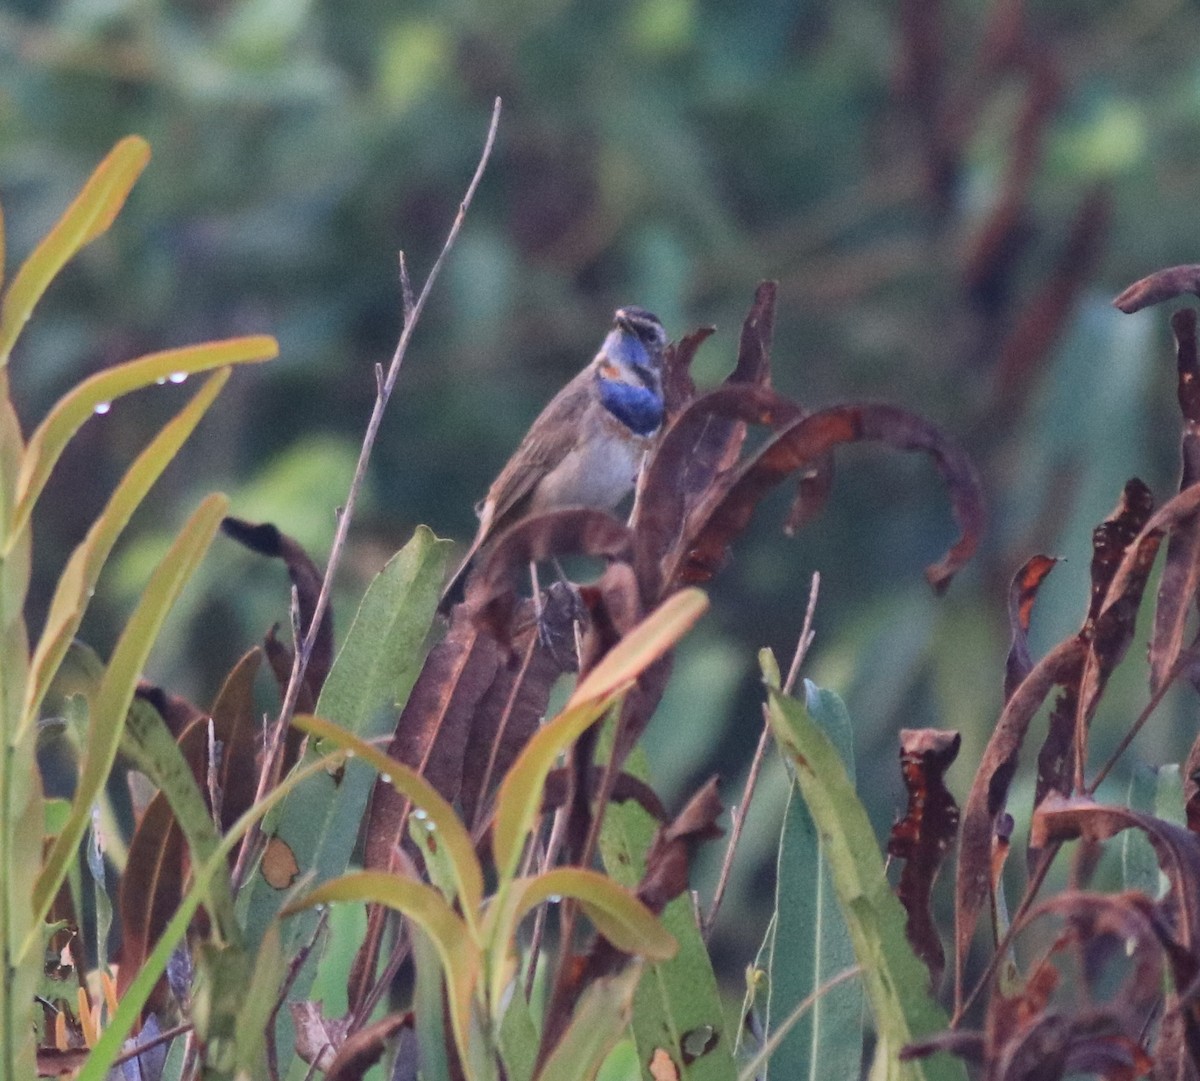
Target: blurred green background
x=913 y=174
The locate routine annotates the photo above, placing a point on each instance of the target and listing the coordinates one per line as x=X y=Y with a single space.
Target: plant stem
x=738 y=814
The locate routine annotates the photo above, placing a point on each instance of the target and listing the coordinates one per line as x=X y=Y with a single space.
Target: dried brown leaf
x=306 y=576
x=805 y=441
x=1177 y=588
x=1159 y=286
x=922 y=837
x=1021 y=595
x=989 y=792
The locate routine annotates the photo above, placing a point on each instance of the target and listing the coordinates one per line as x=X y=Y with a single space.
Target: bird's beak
x=621 y=318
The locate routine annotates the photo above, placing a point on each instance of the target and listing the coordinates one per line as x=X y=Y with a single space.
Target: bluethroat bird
x=586 y=447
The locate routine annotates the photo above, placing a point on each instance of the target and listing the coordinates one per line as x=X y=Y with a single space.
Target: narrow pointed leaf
x=468 y=873
x=616 y=913
x=519 y=800
x=427 y=908
x=648 y=641
x=811 y=942
x=107 y=716
x=64 y=420
x=86 y=218
x=79 y=577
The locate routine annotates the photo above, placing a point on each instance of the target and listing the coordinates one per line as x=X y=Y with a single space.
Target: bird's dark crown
x=645 y=325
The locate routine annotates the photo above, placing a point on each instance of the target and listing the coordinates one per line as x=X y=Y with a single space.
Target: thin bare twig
x=273 y=752
x=165 y=1036
x=289 y=979
x=738 y=814
x=750 y=1070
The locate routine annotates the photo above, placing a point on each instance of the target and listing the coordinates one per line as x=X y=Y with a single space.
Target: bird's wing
x=547 y=443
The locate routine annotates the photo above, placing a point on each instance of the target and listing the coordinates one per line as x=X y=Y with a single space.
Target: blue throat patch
x=637 y=407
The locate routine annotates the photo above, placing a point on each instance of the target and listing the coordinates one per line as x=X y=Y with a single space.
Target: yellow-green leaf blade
x=92 y=212
x=64 y=420
x=643 y=645
x=616 y=913
x=426 y=907
x=411 y=785
x=520 y=797
x=79 y=577
x=107 y=715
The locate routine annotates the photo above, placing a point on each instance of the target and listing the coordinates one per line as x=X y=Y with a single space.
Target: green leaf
x=429 y=1010
x=79 y=576
x=809 y=942
x=367 y=685
x=70 y=411
x=375 y=669
x=679 y=999
x=108 y=711
x=130 y=1008
x=456 y=948
x=599 y=1022
x=519 y=1038
x=92 y=212
x=896 y=982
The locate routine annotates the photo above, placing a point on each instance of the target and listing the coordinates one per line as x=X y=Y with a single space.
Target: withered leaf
x=989 y=792
x=318 y=1038
x=364 y=1048
x=1106 y=636
x=1177 y=588
x=806 y=440
x=492 y=594
x=699 y=446
x=150 y=892
x=922 y=837
x=1021 y=595
x=1159 y=286
x=306 y=576
x=678 y=386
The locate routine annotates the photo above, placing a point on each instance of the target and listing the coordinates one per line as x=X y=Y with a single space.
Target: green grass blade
x=70 y=411
x=86 y=218
x=108 y=712
x=896 y=982
x=79 y=576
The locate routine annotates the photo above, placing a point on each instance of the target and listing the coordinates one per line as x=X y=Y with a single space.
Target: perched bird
x=586 y=446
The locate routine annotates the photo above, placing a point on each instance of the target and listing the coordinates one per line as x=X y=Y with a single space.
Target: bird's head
x=633 y=351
